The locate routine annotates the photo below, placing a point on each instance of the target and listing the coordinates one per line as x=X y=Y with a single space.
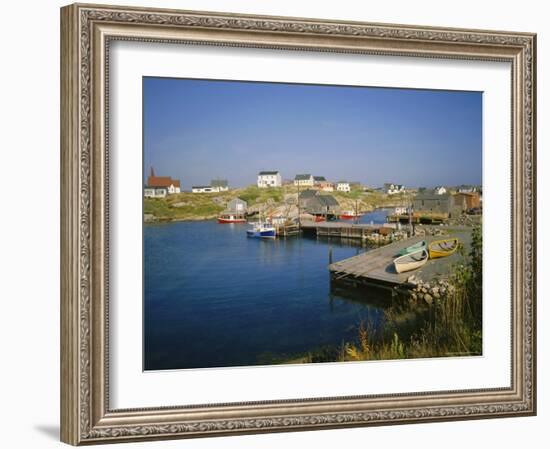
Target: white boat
x=411 y=261
x=261 y=230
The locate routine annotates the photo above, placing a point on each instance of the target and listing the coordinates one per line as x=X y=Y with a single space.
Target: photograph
x=288 y=223
x=284 y=220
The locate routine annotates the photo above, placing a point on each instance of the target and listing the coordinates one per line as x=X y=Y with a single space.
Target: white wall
x=29 y=224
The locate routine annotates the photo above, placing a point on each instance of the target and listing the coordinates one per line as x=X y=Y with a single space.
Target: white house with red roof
x=160 y=186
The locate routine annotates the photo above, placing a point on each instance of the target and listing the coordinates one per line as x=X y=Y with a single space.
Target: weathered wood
x=376 y=265
x=340 y=229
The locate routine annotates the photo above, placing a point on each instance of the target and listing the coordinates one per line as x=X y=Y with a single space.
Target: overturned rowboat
x=411 y=261
x=442 y=248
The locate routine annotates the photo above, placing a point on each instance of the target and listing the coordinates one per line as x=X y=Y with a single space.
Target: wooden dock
x=287 y=230
x=375 y=267
x=341 y=229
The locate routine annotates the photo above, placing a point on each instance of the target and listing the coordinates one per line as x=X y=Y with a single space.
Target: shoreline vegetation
x=446 y=323
x=187 y=206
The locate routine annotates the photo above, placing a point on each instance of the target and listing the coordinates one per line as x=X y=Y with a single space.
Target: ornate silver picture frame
x=87 y=32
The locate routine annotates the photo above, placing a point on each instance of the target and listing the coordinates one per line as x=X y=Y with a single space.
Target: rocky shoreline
x=429 y=292
x=150 y=218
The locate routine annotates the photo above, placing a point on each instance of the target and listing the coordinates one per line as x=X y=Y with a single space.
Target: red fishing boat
x=349 y=215
x=231 y=218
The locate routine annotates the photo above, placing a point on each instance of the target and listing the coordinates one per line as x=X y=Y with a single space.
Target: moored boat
x=350 y=215
x=231 y=218
x=411 y=261
x=442 y=248
x=261 y=230
x=410 y=249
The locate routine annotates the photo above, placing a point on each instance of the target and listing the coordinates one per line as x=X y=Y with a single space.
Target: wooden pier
x=287 y=230
x=375 y=267
x=345 y=230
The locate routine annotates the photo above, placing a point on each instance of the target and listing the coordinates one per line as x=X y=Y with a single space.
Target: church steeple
x=152 y=172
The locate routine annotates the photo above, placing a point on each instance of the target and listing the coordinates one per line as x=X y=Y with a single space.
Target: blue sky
x=199 y=130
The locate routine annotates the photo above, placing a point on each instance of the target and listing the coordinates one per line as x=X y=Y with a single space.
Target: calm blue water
x=215 y=298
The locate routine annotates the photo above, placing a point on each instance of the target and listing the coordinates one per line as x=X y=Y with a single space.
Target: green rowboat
x=413 y=248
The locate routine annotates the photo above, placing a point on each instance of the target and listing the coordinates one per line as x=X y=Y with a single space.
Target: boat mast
x=299 y=219
x=409 y=207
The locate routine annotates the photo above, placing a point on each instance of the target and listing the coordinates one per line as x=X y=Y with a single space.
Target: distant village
x=314 y=193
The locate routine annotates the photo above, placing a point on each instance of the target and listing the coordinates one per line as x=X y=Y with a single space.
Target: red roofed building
x=160 y=186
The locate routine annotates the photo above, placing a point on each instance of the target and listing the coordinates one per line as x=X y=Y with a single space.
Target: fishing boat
x=261 y=230
x=350 y=215
x=231 y=218
x=319 y=218
x=442 y=248
x=411 y=249
x=411 y=261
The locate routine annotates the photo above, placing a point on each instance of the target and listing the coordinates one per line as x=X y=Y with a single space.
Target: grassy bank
x=203 y=206
x=183 y=206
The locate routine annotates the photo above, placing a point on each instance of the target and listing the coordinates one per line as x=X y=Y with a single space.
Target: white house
x=440 y=190
x=161 y=182
x=205 y=189
x=269 y=179
x=304 y=180
x=392 y=189
x=467 y=189
x=221 y=184
x=343 y=186
x=155 y=192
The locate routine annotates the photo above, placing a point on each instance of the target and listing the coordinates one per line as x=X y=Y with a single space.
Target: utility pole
x=411 y=230
x=298 y=202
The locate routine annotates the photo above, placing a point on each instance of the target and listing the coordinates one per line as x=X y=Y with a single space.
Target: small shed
x=307 y=194
x=237 y=205
x=322 y=204
x=431 y=202
x=466 y=201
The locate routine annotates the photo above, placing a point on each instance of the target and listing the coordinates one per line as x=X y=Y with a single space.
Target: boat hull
x=442 y=248
x=268 y=234
x=412 y=248
x=411 y=261
x=349 y=217
x=231 y=220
